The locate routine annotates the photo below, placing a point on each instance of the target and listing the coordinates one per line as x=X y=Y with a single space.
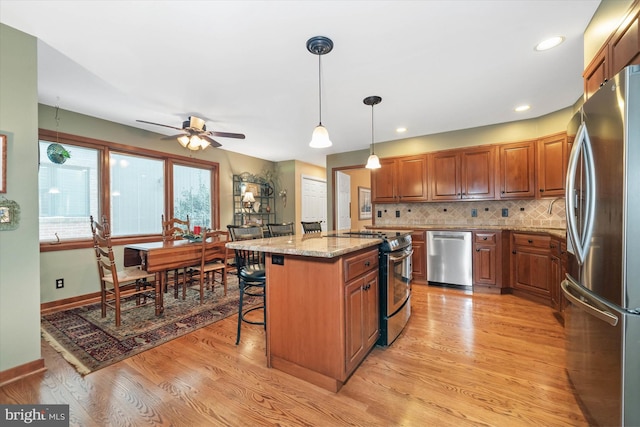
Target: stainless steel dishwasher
x=449 y=257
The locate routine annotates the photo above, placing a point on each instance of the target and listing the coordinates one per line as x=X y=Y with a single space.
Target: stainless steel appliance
x=449 y=257
x=395 y=253
x=602 y=319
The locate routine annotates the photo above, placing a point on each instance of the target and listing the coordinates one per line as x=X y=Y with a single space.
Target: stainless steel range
x=395 y=279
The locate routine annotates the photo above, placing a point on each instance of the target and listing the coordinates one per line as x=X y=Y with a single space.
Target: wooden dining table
x=159 y=257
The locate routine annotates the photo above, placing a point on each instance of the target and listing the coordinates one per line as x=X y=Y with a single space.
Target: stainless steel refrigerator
x=602 y=320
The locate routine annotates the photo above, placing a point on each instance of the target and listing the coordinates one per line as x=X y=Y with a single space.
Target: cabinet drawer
x=356 y=265
x=485 y=237
x=532 y=240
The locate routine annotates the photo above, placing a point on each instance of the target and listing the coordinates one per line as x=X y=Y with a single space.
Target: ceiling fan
x=195 y=135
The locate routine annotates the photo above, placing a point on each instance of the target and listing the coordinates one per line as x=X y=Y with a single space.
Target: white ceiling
x=244 y=66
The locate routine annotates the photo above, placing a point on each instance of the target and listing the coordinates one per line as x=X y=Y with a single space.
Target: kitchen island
x=322 y=304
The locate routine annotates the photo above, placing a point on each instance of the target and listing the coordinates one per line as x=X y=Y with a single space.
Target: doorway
x=314 y=200
x=359 y=178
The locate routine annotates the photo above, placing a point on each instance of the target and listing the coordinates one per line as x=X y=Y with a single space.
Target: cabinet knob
x=367 y=263
x=513 y=252
x=542 y=190
x=530 y=241
x=484 y=238
x=478 y=250
x=502 y=192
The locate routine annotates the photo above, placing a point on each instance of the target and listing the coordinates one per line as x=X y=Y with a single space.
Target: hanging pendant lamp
x=320 y=45
x=373 y=162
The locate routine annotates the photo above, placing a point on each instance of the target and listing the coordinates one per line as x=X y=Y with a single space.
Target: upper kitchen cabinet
x=622 y=48
x=463 y=174
x=552 y=165
x=400 y=179
x=517 y=171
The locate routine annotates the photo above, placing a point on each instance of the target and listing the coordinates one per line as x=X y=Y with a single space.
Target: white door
x=343 y=208
x=314 y=200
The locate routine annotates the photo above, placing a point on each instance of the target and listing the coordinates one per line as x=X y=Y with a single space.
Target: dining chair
x=213 y=261
x=116 y=286
x=252 y=277
x=285 y=229
x=311 y=226
x=174 y=229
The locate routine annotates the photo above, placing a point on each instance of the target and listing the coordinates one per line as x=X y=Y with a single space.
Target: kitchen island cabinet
x=322 y=304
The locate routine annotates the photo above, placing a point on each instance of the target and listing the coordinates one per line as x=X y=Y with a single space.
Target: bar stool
x=251 y=274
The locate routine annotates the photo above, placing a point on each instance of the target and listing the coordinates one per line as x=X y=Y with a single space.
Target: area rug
x=90 y=342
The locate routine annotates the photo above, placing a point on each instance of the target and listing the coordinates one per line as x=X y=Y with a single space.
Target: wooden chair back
x=311 y=226
x=174 y=228
x=276 y=230
x=104 y=251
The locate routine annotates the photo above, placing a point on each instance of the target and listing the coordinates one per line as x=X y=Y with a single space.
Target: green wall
x=19 y=249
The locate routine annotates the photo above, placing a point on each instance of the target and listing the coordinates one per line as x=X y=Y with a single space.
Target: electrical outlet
x=59 y=283
x=505 y=212
x=474 y=212
x=397 y=214
x=379 y=214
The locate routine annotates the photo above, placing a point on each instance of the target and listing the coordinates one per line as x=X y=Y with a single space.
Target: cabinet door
x=445 y=175
x=412 y=179
x=478 y=173
x=517 y=174
x=484 y=264
x=383 y=182
x=555 y=277
x=596 y=72
x=354 y=316
x=625 y=45
x=419 y=257
x=531 y=269
x=552 y=165
x=371 y=311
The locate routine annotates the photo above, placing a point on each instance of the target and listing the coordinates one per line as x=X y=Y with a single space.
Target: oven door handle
x=404 y=256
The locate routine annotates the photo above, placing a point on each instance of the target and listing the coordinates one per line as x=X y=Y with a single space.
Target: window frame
x=104 y=149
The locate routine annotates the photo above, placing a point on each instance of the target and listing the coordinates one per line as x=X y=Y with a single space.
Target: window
x=137 y=194
x=68 y=193
x=192 y=194
x=134 y=187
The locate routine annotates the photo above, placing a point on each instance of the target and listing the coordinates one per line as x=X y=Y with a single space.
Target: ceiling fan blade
x=158 y=124
x=227 y=134
x=213 y=142
x=174 y=136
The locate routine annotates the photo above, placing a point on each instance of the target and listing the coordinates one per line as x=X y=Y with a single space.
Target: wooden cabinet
x=361 y=318
x=517 y=170
x=322 y=314
x=463 y=174
x=530 y=266
x=559 y=260
x=622 y=48
x=419 y=257
x=552 y=157
x=487 y=261
x=400 y=179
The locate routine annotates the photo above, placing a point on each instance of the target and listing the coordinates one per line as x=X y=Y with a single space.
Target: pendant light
x=320 y=45
x=373 y=162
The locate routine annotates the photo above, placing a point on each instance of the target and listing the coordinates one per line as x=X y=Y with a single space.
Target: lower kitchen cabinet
x=559 y=263
x=322 y=315
x=487 y=261
x=419 y=258
x=531 y=266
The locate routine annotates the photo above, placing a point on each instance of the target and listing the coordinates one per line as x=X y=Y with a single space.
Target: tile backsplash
x=521 y=213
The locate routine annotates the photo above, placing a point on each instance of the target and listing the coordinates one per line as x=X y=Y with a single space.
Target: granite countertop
x=554 y=232
x=312 y=245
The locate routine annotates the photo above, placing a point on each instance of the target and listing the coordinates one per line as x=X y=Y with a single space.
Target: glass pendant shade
x=320 y=138
x=373 y=162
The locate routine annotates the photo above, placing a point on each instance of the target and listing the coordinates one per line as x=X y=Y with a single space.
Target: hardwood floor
x=463 y=360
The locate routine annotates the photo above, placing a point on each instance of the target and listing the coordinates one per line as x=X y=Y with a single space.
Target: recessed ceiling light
x=521 y=108
x=549 y=43
x=400 y=130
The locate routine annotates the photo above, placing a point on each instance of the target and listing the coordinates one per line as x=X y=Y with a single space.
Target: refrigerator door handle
x=582 y=302
x=580 y=240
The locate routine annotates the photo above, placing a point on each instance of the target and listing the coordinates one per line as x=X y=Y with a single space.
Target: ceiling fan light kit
x=373 y=162
x=195 y=135
x=320 y=45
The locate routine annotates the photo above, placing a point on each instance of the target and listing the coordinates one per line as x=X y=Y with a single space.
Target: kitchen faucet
x=552 y=202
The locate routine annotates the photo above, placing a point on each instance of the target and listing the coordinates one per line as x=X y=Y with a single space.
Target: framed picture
x=3 y=163
x=9 y=214
x=364 y=203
